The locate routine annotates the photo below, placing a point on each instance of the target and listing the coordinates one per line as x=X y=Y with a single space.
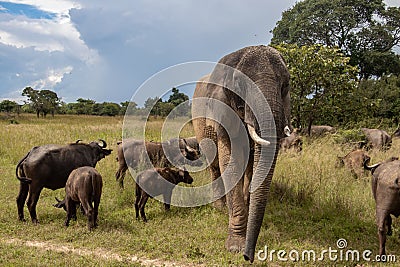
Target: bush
x=349 y=136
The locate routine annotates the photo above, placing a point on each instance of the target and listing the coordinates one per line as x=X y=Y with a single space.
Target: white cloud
x=52 y=78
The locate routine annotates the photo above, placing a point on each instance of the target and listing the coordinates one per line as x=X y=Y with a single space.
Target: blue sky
x=104 y=50
x=29 y=11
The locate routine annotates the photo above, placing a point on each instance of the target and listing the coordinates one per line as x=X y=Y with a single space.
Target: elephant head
x=254 y=83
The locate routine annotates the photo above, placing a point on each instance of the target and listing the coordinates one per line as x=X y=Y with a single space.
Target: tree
x=362 y=29
x=84 y=106
x=180 y=102
x=125 y=105
x=109 y=109
x=381 y=100
x=8 y=106
x=322 y=84
x=42 y=101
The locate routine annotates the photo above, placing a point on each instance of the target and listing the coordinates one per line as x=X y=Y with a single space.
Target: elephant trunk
x=271 y=124
x=258 y=201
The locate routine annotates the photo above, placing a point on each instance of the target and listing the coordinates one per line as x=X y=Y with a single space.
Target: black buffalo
x=49 y=166
x=133 y=153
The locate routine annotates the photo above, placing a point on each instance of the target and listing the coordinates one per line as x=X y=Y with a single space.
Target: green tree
x=124 y=106
x=363 y=30
x=42 y=101
x=84 y=106
x=152 y=105
x=322 y=84
x=8 y=106
x=381 y=100
x=180 y=102
x=109 y=109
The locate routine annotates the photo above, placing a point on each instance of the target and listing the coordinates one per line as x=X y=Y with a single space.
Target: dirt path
x=99 y=252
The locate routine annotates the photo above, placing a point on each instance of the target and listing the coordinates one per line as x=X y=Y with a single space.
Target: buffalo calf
x=386 y=191
x=293 y=141
x=84 y=186
x=155 y=182
x=355 y=161
x=133 y=153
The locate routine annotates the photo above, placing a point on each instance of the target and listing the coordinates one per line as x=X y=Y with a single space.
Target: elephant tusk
x=256 y=137
x=287 y=131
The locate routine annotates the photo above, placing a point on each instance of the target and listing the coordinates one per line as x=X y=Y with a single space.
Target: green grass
x=312 y=204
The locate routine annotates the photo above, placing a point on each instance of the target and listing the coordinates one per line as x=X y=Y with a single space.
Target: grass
x=312 y=204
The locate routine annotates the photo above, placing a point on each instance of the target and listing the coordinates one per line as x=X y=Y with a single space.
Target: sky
x=106 y=50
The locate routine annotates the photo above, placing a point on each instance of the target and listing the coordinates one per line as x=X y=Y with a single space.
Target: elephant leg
x=237 y=210
x=210 y=151
x=246 y=183
x=218 y=188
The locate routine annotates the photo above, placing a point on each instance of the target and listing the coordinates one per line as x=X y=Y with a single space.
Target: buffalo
x=49 y=166
x=354 y=161
x=396 y=133
x=386 y=191
x=319 y=130
x=84 y=186
x=377 y=138
x=133 y=153
x=158 y=181
x=293 y=141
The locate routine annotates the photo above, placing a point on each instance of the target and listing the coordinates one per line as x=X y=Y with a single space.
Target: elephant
x=240 y=112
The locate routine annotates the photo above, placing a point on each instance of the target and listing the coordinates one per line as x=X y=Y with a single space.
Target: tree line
x=44 y=102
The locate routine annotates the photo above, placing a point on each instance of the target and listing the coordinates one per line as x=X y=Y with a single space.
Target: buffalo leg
x=70 y=205
x=120 y=175
x=142 y=204
x=137 y=200
x=23 y=194
x=389 y=225
x=34 y=193
x=87 y=206
x=96 y=210
x=167 y=201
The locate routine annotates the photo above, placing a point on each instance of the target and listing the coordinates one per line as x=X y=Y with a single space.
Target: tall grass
x=312 y=204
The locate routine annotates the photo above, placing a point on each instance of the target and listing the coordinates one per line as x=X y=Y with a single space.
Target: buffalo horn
x=287 y=131
x=371 y=168
x=103 y=143
x=188 y=148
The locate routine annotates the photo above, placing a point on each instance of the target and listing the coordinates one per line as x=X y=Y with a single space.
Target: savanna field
x=313 y=203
